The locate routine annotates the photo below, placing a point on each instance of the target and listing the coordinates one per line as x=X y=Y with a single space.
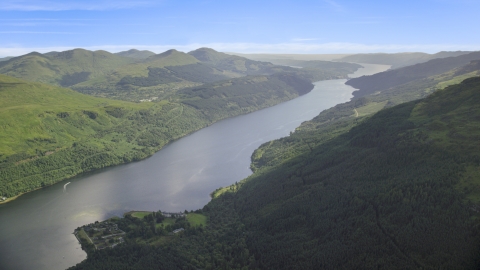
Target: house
x=178 y=230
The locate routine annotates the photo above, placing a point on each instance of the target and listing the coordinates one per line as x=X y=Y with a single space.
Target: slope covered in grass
x=50 y=133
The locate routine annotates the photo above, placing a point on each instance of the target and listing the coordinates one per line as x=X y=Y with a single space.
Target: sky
x=247 y=26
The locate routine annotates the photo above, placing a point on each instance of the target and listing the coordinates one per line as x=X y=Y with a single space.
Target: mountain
x=391 y=78
x=397 y=60
x=136 y=54
x=63 y=68
x=399 y=190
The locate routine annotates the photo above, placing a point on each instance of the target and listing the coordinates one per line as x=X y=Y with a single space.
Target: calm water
x=36 y=229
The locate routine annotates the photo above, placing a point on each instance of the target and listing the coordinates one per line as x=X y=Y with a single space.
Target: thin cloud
x=293 y=47
x=74 y=5
x=334 y=5
x=304 y=39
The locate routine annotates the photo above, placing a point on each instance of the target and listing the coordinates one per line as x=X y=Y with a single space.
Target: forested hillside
x=242 y=95
x=399 y=190
x=343 y=117
x=392 y=78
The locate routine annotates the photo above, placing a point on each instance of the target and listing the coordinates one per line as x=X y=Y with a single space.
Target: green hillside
x=397 y=191
x=63 y=68
x=50 y=133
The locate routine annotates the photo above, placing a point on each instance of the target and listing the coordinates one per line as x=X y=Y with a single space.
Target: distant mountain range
x=135 y=75
x=397 y=60
x=391 y=78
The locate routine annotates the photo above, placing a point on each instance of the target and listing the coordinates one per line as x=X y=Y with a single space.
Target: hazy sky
x=321 y=26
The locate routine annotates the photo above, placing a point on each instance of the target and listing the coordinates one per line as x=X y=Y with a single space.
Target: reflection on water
x=36 y=229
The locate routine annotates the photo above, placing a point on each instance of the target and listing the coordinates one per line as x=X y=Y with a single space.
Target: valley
x=336 y=165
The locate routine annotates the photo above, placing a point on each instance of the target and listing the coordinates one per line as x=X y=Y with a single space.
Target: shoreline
x=11 y=199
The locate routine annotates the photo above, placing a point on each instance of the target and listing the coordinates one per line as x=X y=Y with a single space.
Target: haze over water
x=36 y=229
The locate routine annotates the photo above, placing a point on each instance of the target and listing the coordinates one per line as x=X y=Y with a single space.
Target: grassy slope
x=50 y=133
x=30 y=113
x=52 y=67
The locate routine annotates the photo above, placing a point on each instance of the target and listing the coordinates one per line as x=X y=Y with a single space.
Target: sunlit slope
x=63 y=68
x=40 y=117
x=50 y=133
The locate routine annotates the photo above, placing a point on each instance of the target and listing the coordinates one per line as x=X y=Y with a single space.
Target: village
x=101 y=235
x=107 y=234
